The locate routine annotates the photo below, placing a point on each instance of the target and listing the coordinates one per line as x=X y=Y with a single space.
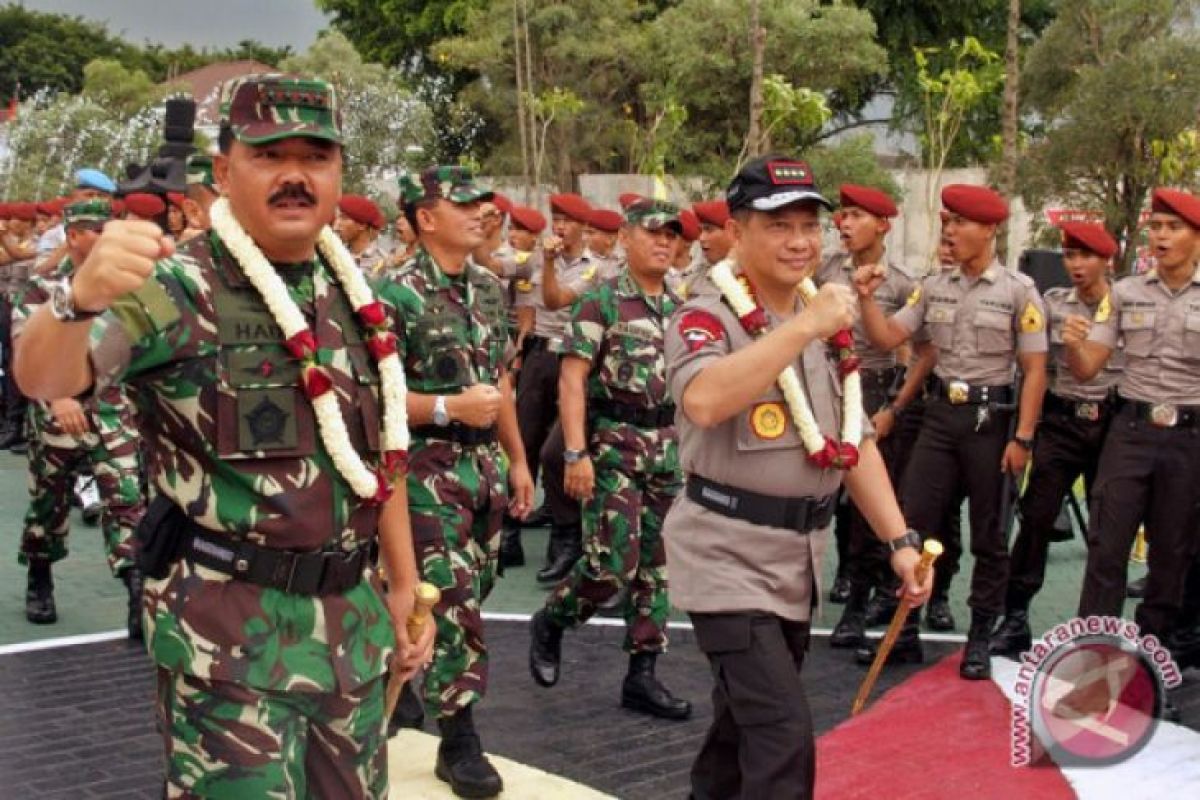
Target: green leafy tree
x=850 y=160
x=110 y=83
x=1109 y=79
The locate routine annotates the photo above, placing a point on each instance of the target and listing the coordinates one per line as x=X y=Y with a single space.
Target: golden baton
x=427 y=596
x=931 y=550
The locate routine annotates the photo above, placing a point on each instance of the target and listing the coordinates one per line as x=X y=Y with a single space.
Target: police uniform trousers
x=760 y=744
x=537 y=400
x=1147 y=474
x=1067 y=447
x=954 y=456
x=563 y=508
x=14 y=402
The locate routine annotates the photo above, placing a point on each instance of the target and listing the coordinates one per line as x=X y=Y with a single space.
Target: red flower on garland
x=847 y=455
x=315 y=380
x=303 y=345
x=848 y=365
x=843 y=340
x=395 y=462
x=382 y=345
x=373 y=314
x=841 y=455
x=755 y=322
x=383 y=489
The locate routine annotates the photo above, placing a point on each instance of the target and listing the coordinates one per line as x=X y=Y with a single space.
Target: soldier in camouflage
x=68 y=436
x=264 y=615
x=453 y=340
x=626 y=472
x=18 y=246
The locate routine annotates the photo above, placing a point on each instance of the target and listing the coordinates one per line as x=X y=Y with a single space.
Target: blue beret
x=94 y=179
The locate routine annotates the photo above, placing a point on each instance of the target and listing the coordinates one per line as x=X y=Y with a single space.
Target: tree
x=1109 y=78
x=109 y=83
x=387 y=127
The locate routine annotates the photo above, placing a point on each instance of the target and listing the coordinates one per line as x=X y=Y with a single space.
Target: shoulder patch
x=698 y=328
x=914 y=296
x=1032 y=319
x=1104 y=310
x=1056 y=291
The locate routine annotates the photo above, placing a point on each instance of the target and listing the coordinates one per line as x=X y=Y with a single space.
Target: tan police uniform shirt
x=890 y=296
x=1161 y=334
x=1061 y=302
x=978 y=325
x=578 y=276
x=717 y=563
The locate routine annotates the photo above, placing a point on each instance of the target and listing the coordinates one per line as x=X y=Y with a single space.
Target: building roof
x=205 y=84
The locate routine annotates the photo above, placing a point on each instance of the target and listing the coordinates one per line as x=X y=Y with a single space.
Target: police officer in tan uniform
x=741 y=541
x=1075 y=418
x=1150 y=466
x=984 y=321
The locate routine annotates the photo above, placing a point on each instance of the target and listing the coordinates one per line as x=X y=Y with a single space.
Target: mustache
x=292 y=191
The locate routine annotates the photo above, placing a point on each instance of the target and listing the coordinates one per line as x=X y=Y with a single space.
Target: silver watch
x=440 y=415
x=574 y=456
x=62 y=303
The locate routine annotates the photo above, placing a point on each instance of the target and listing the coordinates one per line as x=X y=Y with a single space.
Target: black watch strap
x=910 y=539
x=1026 y=443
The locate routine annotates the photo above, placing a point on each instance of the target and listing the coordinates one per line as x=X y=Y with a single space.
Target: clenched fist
x=477 y=406
x=831 y=310
x=1075 y=330
x=120 y=262
x=868 y=278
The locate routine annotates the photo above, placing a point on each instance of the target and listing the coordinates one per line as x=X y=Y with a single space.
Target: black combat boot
x=409 y=712
x=840 y=591
x=881 y=607
x=512 y=554
x=461 y=762
x=976 y=663
x=938 y=616
x=643 y=692
x=566 y=546
x=852 y=627
x=906 y=650
x=545 y=649
x=132 y=578
x=1013 y=637
x=39 y=594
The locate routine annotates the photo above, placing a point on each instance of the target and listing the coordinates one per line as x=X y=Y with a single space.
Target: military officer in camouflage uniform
x=67 y=437
x=200 y=195
x=744 y=544
x=264 y=614
x=19 y=247
x=622 y=459
x=1075 y=421
x=985 y=321
x=453 y=341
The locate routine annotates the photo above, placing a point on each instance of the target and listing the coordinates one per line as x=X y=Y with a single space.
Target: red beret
x=145 y=206
x=714 y=212
x=873 y=201
x=571 y=205
x=626 y=199
x=526 y=218
x=689 y=225
x=503 y=203
x=976 y=203
x=4 y=210
x=362 y=210
x=1088 y=236
x=50 y=208
x=1181 y=204
x=118 y=207
x=23 y=211
x=176 y=199
x=604 y=220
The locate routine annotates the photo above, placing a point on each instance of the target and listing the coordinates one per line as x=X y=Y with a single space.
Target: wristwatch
x=441 y=416
x=62 y=303
x=910 y=539
x=574 y=456
x=1026 y=443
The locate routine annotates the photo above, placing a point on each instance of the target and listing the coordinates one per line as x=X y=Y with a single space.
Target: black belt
x=958 y=393
x=801 y=514
x=456 y=432
x=534 y=342
x=661 y=417
x=1163 y=415
x=320 y=572
x=1087 y=410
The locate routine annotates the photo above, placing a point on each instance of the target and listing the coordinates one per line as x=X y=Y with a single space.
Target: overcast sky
x=201 y=23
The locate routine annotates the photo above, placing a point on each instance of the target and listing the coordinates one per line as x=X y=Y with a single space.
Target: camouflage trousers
x=636 y=481
x=228 y=740
x=55 y=459
x=457 y=496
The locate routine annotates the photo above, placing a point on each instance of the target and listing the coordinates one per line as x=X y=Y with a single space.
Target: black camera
x=168 y=171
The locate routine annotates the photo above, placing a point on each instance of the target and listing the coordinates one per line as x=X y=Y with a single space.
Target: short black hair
x=410 y=212
x=225 y=139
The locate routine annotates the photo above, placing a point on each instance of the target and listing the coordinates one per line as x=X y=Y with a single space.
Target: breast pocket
x=1137 y=329
x=631 y=361
x=939 y=319
x=767 y=426
x=261 y=410
x=1191 y=337
x=993 y=332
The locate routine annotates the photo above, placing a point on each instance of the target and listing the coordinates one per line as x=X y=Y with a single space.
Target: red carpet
x=934 y=736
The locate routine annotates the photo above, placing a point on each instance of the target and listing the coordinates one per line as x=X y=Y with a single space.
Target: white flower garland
x=814 y=441
x=366 y=482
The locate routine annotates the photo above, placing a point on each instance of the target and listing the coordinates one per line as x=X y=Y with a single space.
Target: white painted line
x=62 y=641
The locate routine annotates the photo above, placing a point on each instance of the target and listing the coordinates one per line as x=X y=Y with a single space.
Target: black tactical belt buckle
x=1164 y=415
x=958 y=392
x=1087 y=410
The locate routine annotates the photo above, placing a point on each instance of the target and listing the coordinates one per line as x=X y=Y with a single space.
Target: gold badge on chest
x=768 y=420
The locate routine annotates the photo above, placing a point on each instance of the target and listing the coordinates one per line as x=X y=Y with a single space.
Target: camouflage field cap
x=453 y=183
x=269 y=107
x=200 y=171
x=653 y=214
x=87 y=212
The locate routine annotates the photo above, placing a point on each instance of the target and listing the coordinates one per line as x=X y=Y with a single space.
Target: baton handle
x=427 y=596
